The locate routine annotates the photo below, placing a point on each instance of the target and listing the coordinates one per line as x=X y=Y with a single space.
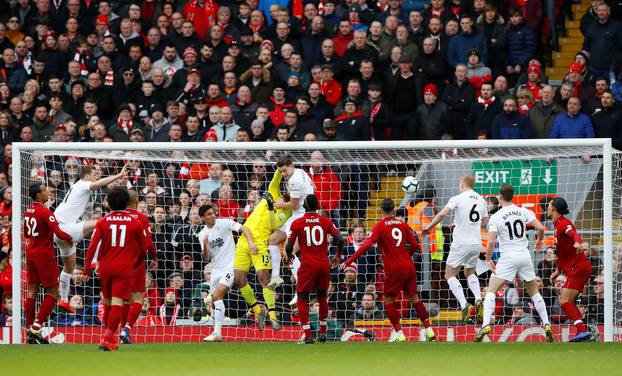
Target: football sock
x=422 y=313
x=249 y=296
x=295 y=266
x=474 y=286
x=30 y=307
x=106 y=314
x=571 y=310
x=489 y=307
x=538 y=302
x=275 y=259
x=456 y=288
x=303 y=313
x=219 y=315
x=323 y=314
x=126 y=310
x=113 y=323
x=46 y=307
x=268 y=297
x=132 y=315
x=394 y=316
x=65 y=282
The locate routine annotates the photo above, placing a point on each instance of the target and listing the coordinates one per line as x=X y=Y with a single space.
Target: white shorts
x=221 y=276
x=464 y=255
x=510 y=265
x=285 y=226
x=76 y=231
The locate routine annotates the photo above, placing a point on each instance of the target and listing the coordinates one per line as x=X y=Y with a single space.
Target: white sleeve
x=452 y=203
x=295 y=188
x=529 y=215
x=485 y=206
x=233 y=225
x=492 y=224
x=83 y=185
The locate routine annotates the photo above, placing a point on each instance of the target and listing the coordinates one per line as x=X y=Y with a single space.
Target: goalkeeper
x=262 y=221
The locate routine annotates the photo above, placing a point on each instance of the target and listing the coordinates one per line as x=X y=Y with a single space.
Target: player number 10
x=315 y=235
x=113 y=239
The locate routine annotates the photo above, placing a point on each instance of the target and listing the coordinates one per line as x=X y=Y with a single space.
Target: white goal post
x=379 y=154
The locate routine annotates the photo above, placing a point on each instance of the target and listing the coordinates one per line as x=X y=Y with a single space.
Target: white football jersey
x=73 y=206
x=510 y=224
x=220 y=242
x=299 y=186
x=469 y=210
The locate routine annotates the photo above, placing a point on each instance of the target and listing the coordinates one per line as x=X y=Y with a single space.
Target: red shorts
x=43 y=270
x=117 y=286
x=311 y=279
x=400 y=280
x=578 y=276
x=138 y=282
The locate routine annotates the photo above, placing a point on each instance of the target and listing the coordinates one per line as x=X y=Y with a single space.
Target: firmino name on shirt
x=392 y=222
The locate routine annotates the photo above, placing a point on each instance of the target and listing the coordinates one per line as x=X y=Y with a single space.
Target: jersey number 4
x=315 y=235
x=31 y=226
x=121 y=236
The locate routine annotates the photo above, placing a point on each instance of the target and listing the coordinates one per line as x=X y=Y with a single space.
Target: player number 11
x=113 y=239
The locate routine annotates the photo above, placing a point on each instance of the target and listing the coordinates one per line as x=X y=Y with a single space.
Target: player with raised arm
x=470 y=214
x=261 y=223
x=121 y=241
x=571 y=261
x=312 y=232
x=299 y=185
x=133 y=307
x=218 y=246
x=400 y=274
x=509 y=224
x=68 y=213
x=39 y=227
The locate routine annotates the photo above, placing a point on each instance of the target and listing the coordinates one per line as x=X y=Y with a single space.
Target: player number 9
x=396 y=233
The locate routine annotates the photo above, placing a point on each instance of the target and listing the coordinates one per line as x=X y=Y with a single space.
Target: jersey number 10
x=113 y=239
x=315 y=235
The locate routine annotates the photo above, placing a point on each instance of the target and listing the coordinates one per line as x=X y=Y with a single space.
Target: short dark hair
x=387 y=205
x=310 y=204
x=118 y=198
x=203 y=209
x=507 y=192
x=285 y=160
x=85 y=170
x=34 y=190
x=560 y=205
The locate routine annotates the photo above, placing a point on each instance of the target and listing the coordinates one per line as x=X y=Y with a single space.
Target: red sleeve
x=151 y=250
x=293 y=232
x=411 y=238
x=571 y=232
x=330 y=226
x=53 y=224
x=371 y=240
x=90 y=253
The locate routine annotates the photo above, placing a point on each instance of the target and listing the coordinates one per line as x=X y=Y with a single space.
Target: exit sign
x=527 y=177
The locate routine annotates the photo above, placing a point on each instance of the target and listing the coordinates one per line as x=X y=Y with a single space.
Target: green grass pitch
x=461 y=359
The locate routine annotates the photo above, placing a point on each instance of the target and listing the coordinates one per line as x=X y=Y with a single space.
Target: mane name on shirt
x=312 y=220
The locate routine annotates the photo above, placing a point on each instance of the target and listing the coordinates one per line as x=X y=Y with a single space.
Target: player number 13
x=113 y=240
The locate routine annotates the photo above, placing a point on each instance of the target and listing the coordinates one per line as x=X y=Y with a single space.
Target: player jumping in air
x=572 y=262
x=39 y=227
x=311 y=230
x=392 y=235
x=69 y=213
x=218 y=246
x=261 y=222
x=299 y=185
x=466 y=245
x=510 y=225
x=133 y=308
x=121 y=241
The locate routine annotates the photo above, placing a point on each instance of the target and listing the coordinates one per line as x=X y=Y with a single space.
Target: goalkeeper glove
x=269 y=200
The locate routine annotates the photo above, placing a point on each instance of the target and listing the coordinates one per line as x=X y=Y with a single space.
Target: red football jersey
x=566 y=235
x=391 y=235
x=121 y=240
x=149 y=238
x=40 y=226
x=311 y=231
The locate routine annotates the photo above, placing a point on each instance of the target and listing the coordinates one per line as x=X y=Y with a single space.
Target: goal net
x=351 y=180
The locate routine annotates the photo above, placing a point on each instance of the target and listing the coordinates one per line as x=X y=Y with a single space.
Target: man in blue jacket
x=573 y=123
x=459 y=45
x=510 y=124
x=602 y=39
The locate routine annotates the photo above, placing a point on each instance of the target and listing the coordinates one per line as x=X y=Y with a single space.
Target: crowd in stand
x=248 y=71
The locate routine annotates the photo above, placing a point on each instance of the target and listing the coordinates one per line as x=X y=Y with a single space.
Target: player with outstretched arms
x=470 y=214
x=40 y=226
x=311 y=230
x=69 y=213
x=400 y=274
x=121 y=241
x=571 y=261
x=133 y=308
x=299 y=185
x=509 y=225
x=218 y=246
x=261 y=222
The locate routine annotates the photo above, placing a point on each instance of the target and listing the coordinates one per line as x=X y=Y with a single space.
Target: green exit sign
x=527 y=177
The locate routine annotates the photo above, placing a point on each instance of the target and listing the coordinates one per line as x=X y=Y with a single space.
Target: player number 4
x=396 y=233
x=31 y=226
x=113 y=239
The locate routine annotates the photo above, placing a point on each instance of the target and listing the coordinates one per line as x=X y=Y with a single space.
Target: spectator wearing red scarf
x=202 y=13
